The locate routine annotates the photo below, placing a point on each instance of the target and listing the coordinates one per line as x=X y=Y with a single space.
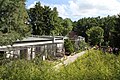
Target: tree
x=108 y=25
x=116 y=33
x=69 y=46
x=67 y=25
x=44 y=20
x=83 y=24
x=1 y=3
x=56 y=23
x=13 y=21
x=95 y=35
x=36 y=19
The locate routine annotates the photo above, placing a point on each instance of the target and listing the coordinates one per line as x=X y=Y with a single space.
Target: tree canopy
x=95 y=35
x=45 y=21
x=17 y=22
x=109 y=24
x=13 y=21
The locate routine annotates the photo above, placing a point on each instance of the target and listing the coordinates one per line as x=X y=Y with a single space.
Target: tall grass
x=94 y=65
x=26 y=70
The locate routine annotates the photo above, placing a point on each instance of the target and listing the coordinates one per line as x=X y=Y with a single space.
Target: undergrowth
x=94 y=65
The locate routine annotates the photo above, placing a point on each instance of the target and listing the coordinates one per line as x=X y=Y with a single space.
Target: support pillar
x=55 y=51
x=18 y=52
x=43 y=57
x=46 y=51
x=12 y=54
x=7 y=54
x=28 y=53
x=33 y=52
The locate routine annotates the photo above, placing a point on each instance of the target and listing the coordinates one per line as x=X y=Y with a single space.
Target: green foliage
x=110 y=25
x=69 y=46
x=94 y=65
x=83 y=45
x=26 y=70
x=45 y=21
x=13 y=19
x=67 y=26
x=115 y=34
x=95 y=35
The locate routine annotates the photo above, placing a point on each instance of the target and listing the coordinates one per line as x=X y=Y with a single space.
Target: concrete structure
x=30 y=47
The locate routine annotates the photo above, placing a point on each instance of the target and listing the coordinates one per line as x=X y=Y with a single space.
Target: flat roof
x=33 y=40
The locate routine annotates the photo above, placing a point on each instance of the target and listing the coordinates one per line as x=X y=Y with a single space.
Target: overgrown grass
x=26 y=70
x=94 y=65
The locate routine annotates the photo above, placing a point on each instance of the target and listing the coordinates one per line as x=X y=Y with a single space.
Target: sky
x=76 y=9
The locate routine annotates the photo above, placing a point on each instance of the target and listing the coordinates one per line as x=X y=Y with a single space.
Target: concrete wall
x=28 y=49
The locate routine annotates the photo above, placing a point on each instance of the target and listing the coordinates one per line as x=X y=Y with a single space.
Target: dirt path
x=70 y=59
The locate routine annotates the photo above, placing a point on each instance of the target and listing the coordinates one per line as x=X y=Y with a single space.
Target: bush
x=69 y=46
x=94 y=65
x=83 y=45
x=26 y=70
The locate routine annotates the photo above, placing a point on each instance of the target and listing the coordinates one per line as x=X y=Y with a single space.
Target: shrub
x=69 y=46
x=94 y=65
x=83 y=45
x=26 y=70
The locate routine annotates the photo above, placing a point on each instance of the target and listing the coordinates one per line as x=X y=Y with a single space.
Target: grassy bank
x=91 y=66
